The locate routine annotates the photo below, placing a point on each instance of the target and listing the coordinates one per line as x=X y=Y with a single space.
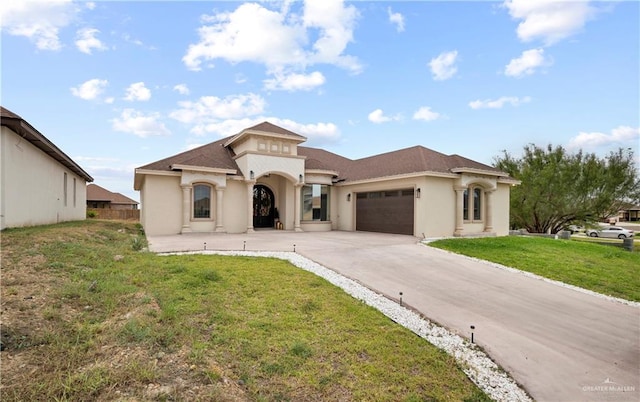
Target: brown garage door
x=385 y=211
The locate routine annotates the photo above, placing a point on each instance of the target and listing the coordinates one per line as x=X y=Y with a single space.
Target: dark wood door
x=263 y=207
x=385 y=211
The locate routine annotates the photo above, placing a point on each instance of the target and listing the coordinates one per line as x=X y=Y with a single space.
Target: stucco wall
x=161 y=198
x=501 y=205
x=32 y=186
x=235 y=207
x=436 y=207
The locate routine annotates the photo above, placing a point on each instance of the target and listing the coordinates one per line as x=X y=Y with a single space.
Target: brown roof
x=404 y=161
x=272 y=128
x=21 y=127
x=214 y=155
x=97 y=193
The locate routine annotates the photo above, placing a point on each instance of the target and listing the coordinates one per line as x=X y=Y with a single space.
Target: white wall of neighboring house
x=32 y=186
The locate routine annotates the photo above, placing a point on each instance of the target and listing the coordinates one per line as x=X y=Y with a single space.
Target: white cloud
x=295 y=82
x=442 y=67
x=210 y=110
x=138 y=92
x=397 y=19
x=127 y=38
x=498 y=103
x=425 y=113
x=135 y=122
x=90 y=5
x=182 y=89
x=90 y=90
x=527 y=63
x=238 y=36
x=619 y=136
x=40 y=21
x=315 y=132
x=378 y=116
x=86 y=40
x=549 y=20
x=335 y=24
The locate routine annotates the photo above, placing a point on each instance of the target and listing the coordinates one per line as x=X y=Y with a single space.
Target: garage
x=385 y=211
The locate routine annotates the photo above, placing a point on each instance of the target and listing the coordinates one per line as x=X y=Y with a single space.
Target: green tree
x=559 y=188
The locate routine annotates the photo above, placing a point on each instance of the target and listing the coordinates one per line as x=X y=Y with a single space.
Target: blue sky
x=117 y=85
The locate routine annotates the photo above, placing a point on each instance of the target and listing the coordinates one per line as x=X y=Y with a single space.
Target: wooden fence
x=115 y=214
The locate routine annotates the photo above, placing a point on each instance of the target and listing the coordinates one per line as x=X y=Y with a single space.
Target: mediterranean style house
x=39 y=184
x=263 y=178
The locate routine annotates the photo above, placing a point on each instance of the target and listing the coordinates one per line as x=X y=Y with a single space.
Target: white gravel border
x=475 y=363
x=535 y=276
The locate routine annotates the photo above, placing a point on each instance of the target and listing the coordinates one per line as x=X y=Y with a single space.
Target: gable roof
x=213 y=155
x=417 y=159
x=268 y=129
x=97 y=193
x=21 y=127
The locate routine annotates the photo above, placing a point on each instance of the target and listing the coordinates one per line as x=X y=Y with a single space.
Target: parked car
x=574 y=228
x=611 y=231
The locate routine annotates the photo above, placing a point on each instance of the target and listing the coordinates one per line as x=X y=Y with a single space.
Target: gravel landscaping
x=485 y=373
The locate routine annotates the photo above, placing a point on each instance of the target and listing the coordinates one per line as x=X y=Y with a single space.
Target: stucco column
x=488 y=211
x=459 y=211
x=297 y=199
x=186 y=208
x=219 y=209
x=250 y=206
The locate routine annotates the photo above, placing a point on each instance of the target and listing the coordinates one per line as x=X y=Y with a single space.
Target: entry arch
x=263 y=206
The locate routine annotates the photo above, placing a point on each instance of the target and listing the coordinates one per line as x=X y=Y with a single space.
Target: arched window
x=201 y=201
x=472 y=201
x=477 y=204
x=465 y=205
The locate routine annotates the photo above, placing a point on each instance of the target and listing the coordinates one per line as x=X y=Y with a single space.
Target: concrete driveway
x=558 y=343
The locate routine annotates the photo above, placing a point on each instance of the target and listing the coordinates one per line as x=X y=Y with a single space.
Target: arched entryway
x=263 y=207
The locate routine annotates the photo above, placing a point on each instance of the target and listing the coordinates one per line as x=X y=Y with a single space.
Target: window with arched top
x=202 y=201
x=477 y=204
x=472 y=204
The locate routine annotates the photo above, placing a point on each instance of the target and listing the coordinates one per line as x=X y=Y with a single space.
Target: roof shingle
x=404 y=161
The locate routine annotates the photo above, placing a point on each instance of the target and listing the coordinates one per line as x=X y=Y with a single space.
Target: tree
x=559 y=188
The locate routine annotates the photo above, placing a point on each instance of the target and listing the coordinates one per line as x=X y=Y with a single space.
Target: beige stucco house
x=39 y=184
x=263 y=178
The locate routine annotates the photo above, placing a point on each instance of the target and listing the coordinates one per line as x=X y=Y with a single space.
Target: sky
x=119 y=84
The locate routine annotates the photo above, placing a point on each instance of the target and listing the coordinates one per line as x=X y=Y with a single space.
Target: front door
x=263 y=207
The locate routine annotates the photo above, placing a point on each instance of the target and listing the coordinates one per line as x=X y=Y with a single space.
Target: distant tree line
x=560 y=188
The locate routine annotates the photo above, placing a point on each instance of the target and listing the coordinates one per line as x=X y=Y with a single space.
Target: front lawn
x=602 y=268
x=86 y=317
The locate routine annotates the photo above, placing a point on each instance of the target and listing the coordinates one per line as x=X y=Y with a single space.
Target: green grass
x=602 y=268
x=113 y=327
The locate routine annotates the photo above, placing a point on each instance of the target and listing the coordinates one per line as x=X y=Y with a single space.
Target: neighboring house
x=101 y=198
x=39 y=184
x=263 y=178
x=629 y=213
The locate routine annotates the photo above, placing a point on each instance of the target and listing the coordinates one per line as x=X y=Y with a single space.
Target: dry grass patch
x=86 y=317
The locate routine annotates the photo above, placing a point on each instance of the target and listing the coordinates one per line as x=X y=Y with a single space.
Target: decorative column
x=488 y=211
x=459 y=211
x=219 y=209
x=186 y=208
x=297 y=199
x=250 y=184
